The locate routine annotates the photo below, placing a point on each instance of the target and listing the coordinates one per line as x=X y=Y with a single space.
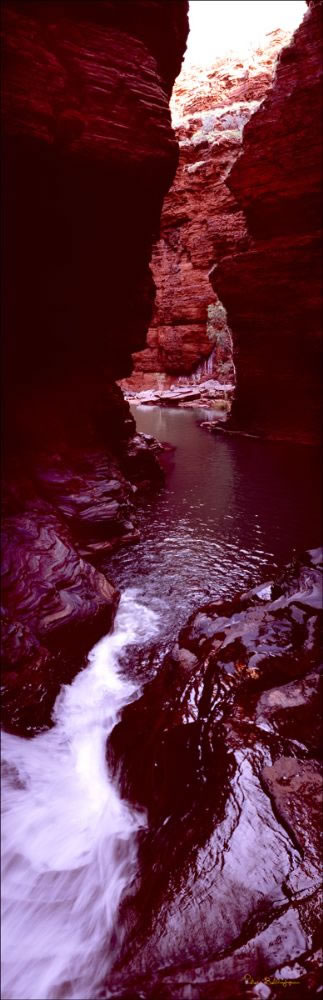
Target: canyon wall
x=201 y=220
x=272 y=290
x=88 y=155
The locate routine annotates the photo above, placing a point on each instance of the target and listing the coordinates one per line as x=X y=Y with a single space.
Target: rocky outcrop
x=272 y=290
x=201 y=221
x=203 y=393
x=56 y=603
x=223 y=749
x=64 y=513
x=89 y=153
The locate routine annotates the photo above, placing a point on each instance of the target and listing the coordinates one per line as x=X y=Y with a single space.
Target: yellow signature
x=270 y=981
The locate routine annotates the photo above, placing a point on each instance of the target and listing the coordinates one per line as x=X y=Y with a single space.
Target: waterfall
x=69 y=840
x=205 y=369
x=203 y=372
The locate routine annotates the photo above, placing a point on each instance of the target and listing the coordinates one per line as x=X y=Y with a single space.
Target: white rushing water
x=69 y=840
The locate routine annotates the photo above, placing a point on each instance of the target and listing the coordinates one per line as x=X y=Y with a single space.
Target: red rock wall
x=201 y=220
x=273 y=290
x=89 y=153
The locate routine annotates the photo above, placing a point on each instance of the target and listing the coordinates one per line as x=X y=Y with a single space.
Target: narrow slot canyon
x=161 y=499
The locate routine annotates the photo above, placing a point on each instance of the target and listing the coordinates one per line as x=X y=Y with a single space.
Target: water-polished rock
x=55 y=606
x=64 y=513
x=229 y=885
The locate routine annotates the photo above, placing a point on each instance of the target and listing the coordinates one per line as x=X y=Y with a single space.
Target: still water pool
x=231 y=510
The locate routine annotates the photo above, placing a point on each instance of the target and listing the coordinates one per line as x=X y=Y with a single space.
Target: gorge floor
x=229 y=512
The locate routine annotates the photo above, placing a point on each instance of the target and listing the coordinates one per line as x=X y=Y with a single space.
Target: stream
x=230 y=511
x=68 y=839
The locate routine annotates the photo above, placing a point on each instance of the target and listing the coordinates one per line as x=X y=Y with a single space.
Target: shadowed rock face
x=89 y=154
x=223 y=749
x=273 y=290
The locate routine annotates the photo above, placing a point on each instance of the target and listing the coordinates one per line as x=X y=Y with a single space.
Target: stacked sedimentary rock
x=89 y=153
x=272 y=291
x=201 y=220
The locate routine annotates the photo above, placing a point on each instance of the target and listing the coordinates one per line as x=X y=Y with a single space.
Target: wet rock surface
x=222 y=750
x=54 y=605
x=63 y=514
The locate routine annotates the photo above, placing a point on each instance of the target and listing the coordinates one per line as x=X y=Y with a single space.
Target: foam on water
x=69 y=840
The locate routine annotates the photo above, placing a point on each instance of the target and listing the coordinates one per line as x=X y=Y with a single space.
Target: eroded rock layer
x=273 y=289
x=201 y=220
x=89 y=153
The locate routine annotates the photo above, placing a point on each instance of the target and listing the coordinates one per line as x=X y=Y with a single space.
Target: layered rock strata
x=223 y=749
x=89 y=153
x=273 y=289
x=201 y=221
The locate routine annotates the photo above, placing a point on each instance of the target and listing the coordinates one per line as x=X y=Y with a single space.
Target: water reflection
x=232 y=508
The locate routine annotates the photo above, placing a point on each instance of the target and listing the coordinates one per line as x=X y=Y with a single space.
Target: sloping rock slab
x=229 y=865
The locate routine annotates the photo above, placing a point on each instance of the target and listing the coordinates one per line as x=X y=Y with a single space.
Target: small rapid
x=68 y=839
